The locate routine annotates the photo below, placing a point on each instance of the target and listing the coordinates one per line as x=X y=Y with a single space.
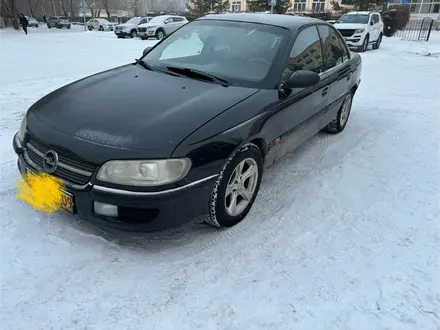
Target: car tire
x=338 y=124
x=133 y=34
x=378 y=42
x=229 y=183
x=48 y=26
x=101 y=28
x=89 y=27
x=364 y=46
x=68 y=27
x=160 y=34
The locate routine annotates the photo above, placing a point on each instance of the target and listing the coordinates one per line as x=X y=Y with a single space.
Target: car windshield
x=156 y=20
x=134 y=20
x=354 y=18
x=241 y=53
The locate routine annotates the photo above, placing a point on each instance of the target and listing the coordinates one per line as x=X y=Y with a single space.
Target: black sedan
x=188 y=128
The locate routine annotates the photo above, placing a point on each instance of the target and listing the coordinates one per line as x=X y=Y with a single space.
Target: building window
x=299 y=5
x=318 y=5
x=236 y=6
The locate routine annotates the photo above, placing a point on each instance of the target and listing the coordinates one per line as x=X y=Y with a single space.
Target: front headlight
x=359 y=31
x=22 y=130
x=146 y=173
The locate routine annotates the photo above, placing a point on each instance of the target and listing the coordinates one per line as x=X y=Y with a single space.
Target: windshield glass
x=134 y=20
x=242 y=53
x=156 y=20
x=358 y=19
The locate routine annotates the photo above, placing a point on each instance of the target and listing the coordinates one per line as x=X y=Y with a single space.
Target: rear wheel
x=133 y=34
x=338 y=124
x=236 y=188
x=377 y=44
x=90 y=28
x=48 y=26
x=101 y=28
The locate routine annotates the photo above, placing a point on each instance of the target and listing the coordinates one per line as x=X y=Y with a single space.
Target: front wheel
x=48 y=26
x=364 y=46
x=338 y=124
x=236 y=188
x=160 y=35
x=133 y=34
x=101 y=28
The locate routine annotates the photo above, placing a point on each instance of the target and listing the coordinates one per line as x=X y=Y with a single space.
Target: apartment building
x=296 y=5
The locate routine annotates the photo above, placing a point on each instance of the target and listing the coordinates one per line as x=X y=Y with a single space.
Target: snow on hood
x=349 y=26
x=126 y=25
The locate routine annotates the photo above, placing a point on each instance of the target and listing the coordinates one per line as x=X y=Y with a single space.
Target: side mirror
x=146 y=50
x=371 y=23
x=302 y=79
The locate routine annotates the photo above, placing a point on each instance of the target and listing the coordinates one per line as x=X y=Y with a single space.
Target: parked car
x=194 y=122
x=129 y=29
x=32 y=21
x=58 y=22
x=100 y=24
x=361 y=29
x=160 y=26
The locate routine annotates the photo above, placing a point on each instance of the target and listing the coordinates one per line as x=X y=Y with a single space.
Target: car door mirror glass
x=302 y=79
x=146 y=50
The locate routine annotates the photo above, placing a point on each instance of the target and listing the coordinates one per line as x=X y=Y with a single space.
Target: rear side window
x=332 y=47
x=178 y=19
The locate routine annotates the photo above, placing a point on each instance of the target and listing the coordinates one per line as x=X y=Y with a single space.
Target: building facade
x=295 y=5
x=420 y=8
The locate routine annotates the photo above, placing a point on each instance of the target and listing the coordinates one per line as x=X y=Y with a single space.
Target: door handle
x=349 y=76
x=325 y=91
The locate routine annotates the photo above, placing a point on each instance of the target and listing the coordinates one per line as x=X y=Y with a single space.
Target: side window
x=306 y=53
x=143 y=21
x=332 y=50
x=168 y=21
x=178 y=19
x=374 y=19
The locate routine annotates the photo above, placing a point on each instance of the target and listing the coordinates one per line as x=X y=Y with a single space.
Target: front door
x=303 y=107
x=337 y=71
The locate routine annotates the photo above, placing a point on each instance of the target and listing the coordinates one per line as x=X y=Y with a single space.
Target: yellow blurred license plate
x=67 y=202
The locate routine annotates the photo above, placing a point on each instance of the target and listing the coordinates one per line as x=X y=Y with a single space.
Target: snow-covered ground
x=344 y=234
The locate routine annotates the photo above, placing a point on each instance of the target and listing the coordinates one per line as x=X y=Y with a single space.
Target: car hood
x=125 y=25
x=131 y=107
x=349 y=26
x=147 y=25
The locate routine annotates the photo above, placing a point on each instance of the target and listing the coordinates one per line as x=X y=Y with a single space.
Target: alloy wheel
x=241 y=186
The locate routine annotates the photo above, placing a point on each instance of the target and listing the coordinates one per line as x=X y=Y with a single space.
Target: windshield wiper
x=196 y=74
x=144 y=65
x=149 y=67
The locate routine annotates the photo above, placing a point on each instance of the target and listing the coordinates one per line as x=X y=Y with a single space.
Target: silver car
x=58 y=22
x=160 y=26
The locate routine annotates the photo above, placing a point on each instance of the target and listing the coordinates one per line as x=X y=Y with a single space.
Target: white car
x=32 y=21
x=100 y=24
x=129 y=29
x=160 y=26
x=361 y=29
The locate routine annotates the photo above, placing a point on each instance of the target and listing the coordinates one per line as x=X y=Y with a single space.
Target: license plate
x=67 y=201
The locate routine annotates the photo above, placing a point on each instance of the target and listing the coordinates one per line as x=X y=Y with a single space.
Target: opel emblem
x=50 y=161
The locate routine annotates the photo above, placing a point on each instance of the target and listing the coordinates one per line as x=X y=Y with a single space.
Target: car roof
x=359 y=13
x=286 y=21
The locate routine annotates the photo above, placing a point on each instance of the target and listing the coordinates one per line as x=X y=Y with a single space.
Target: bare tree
x=172 y=5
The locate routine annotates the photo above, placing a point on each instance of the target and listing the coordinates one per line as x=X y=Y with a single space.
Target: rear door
x=303 y=107
x=337 y=71
x=178 y=22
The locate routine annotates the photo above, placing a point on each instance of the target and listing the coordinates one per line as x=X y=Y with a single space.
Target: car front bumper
x=137 y=211
x=120 y=33
x=355 y=41
x=147 y=34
